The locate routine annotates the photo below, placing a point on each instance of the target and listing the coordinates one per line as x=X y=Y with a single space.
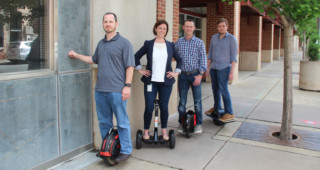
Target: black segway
x=215 y=115
x=189 y=121
x=156 y=139
x=110 y=147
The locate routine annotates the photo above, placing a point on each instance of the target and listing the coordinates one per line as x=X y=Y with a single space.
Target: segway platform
x=156 y=138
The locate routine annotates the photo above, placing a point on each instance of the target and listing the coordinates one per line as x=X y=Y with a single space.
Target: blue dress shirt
x=223 y=51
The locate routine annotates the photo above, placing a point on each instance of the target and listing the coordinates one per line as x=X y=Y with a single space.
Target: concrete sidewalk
x=246 y=144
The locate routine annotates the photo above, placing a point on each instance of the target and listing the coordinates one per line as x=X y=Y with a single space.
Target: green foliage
x=314 y=52
x=9 y=10
x=294 y=11
x=309 y=27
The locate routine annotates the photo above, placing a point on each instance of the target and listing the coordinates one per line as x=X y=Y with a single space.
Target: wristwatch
x=201 y=74
x=127 y=84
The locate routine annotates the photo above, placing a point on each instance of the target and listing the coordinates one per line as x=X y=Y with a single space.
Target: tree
x=9 y=10
x=307 y=30
x=290 y=12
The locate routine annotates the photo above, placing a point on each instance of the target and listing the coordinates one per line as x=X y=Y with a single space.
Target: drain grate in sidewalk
x=263 y=133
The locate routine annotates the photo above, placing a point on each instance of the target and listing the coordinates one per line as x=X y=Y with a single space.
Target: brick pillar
x=282 y=43
x=161 y=9
x=276 y=43
x=250 y=43
x=267 y=43
x=175 y=28
x=216 y=10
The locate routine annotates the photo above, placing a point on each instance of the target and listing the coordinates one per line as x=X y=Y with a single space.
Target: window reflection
x=22 y=37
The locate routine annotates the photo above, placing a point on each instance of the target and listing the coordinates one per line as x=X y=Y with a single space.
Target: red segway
x=189 y=121
x=110 y=147
x=156 y=139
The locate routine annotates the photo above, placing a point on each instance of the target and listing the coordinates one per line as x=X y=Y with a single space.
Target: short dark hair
x=222 y=20
x=189 y=20
x=110 y=13
x=159 y=23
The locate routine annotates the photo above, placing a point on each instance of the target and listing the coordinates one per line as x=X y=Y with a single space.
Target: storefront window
x=23 y=36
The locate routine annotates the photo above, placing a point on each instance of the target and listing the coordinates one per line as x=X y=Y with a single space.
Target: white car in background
x=18 y=51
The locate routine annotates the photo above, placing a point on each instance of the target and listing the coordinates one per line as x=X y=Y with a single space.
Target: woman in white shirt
x=158 y=77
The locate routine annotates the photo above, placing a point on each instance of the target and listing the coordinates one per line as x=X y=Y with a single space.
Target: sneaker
x=180 y=128
x=226 y=118
x=198 y=129
x=209 y=112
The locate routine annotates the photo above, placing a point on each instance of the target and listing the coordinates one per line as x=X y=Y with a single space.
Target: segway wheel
x=218 y=123
x=109 y=161
x=172 y=138
x=139 y=139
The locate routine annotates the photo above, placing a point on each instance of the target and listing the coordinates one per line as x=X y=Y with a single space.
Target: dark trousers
x=164 y=92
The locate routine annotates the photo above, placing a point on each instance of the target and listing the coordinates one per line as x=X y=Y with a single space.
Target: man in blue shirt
x=222 y=59
x=194 y=63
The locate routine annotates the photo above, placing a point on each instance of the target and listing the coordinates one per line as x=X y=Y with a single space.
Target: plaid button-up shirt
x=193 y=54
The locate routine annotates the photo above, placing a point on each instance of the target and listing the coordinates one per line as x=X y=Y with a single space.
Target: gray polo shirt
x=113 y=57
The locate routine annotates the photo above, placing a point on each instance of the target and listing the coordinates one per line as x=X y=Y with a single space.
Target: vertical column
x=175 y=29
x=250 y=43
x=267 y=42
x=277 y=42
x=161 y=9
x=216 y=10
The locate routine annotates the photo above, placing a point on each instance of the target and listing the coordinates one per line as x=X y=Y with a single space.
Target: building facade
x=47 y=106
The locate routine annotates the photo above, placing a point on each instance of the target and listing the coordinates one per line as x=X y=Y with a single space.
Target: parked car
x=18 y=51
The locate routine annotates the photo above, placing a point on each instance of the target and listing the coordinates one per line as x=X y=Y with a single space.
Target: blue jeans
x=219 y=81
x=108 y=103
x=184 y=82
x=164 y=96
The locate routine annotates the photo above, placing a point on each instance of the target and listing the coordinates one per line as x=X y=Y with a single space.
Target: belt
x=189 y=72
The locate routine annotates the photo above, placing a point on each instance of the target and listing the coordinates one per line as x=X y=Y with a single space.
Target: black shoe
x=122 y=157
x=215 y=114
x=98 y=154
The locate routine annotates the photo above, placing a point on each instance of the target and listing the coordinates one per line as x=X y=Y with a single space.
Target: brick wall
x=267 y=36
x=249 y=30
x=175 y=28
x=161 y=9
x=276 y=43
x=229 y=12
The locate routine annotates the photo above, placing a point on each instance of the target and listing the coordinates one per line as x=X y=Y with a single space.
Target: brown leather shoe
x=122 y=157
x=226 y=118
x=209 y=112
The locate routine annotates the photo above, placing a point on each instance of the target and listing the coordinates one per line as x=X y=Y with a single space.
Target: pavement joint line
x=266 y=122
x=153 y=162
x=225 y=142
x=262 y=99
x=289 y=149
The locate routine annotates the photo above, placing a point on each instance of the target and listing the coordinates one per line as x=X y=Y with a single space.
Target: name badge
x=149 y=88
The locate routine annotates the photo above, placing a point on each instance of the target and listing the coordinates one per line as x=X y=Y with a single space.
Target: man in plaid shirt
x=194 y=63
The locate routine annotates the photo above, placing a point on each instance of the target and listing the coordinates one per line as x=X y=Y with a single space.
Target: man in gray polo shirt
x=115 y=58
